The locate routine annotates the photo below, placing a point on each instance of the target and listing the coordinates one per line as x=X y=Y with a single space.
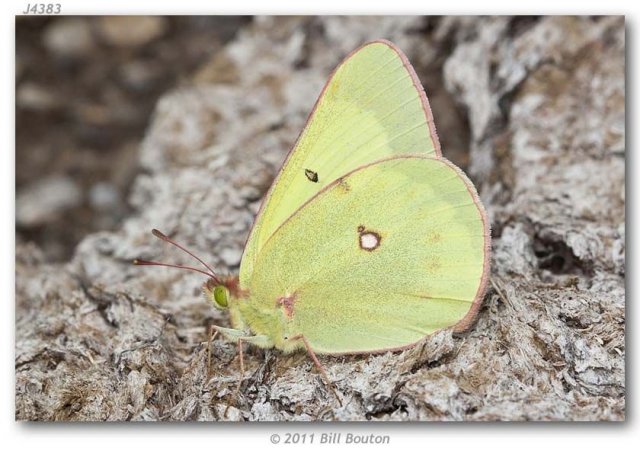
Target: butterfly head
x=217 y=294
x=220 y=292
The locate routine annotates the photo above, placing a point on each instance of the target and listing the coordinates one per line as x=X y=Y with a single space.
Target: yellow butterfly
x=368 y=239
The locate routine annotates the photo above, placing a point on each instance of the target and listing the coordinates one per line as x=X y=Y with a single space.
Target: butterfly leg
x=236 y=392
x=233 y=335
x=240 y=337
x=212 y=336
x=319 y=366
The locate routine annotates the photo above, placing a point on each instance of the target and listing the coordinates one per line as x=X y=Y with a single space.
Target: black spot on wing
x=311 y=175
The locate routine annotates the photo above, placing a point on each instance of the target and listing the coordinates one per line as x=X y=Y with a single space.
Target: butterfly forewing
x=373 y=107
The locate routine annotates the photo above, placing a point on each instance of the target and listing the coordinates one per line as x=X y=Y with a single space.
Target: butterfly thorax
x=265 y=326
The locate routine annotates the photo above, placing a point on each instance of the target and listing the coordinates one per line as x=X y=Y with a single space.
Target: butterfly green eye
x=221 y=296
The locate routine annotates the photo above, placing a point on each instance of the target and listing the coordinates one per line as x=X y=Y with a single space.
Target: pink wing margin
x=471 y=317
x=417 y=84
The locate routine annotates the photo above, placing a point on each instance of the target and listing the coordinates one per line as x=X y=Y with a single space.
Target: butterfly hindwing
x=383 y=256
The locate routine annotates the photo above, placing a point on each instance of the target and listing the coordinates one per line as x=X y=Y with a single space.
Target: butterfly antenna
x=157 y=233
x=140 y=262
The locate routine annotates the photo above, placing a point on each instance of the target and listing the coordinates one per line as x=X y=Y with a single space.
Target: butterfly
x=368 y=239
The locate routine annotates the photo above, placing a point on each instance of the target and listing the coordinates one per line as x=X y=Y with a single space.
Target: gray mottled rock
x=42 y=200
x=100 y=339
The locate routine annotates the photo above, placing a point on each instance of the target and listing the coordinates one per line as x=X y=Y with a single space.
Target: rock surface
x=538 y=103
